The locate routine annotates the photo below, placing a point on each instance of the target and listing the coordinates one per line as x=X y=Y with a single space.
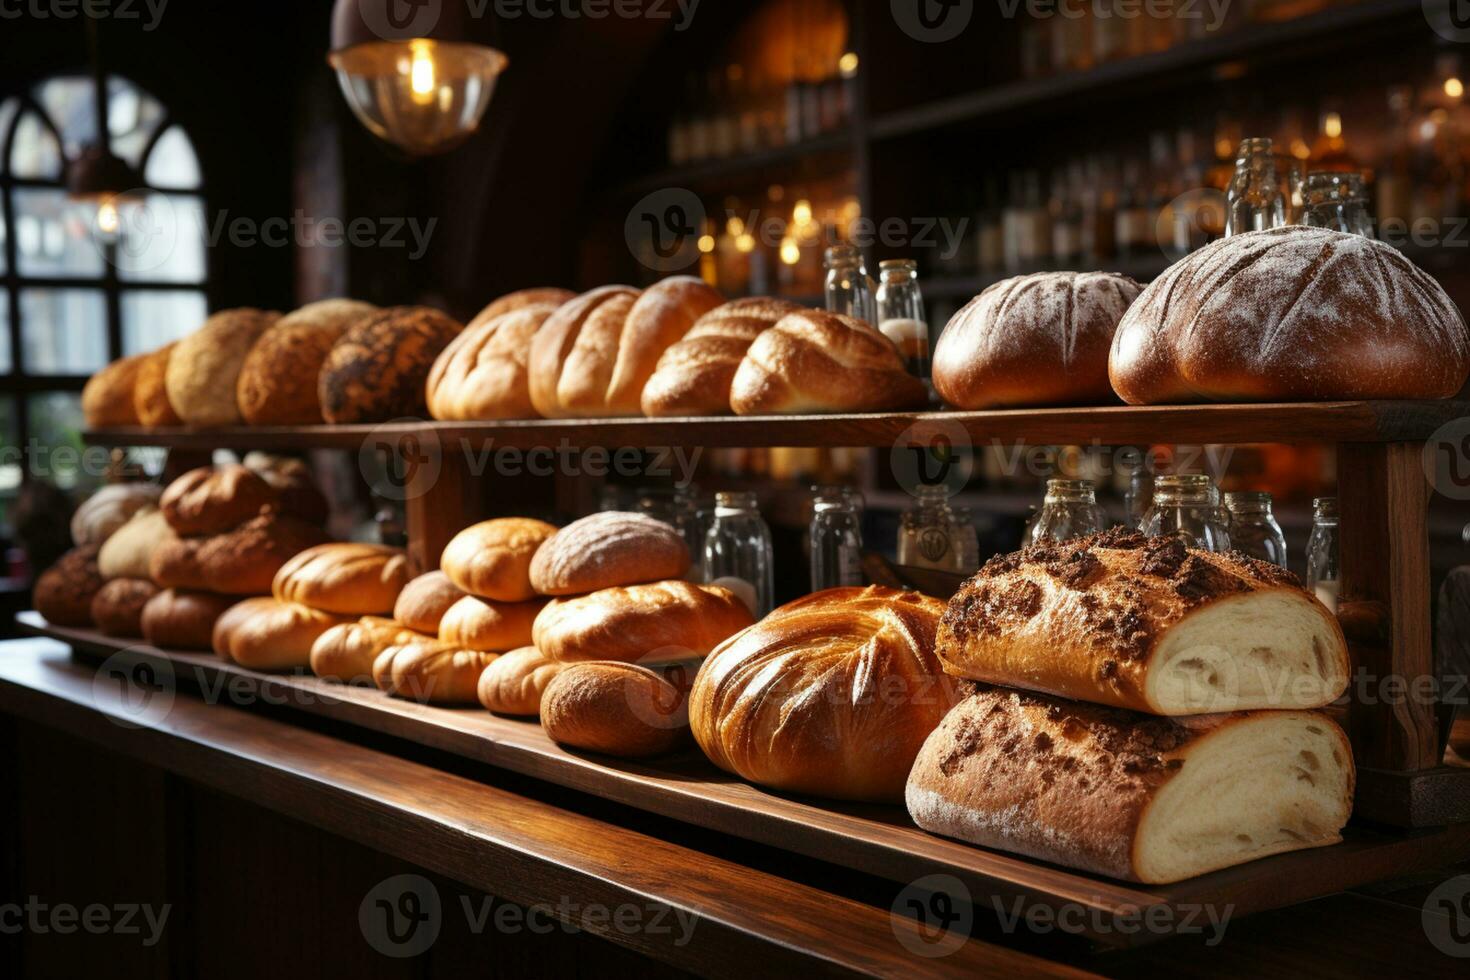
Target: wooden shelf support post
x=440 y=497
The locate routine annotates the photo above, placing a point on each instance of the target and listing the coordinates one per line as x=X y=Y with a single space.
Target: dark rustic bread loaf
x=278 y=380
x=378 y=369
x=1147 y=624
x=214 y=499
x=176 y=619
x=117 y=608
x=245 y=561
x=63 y=593
x=204 y=368
x=693 y=377
x=1041 y=339
x=1290 y=314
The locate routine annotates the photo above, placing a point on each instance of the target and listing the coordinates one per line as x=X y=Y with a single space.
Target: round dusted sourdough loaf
x=482 y=373
x=492 y=559
x=514 y=683
x=176 y=619
x=117 y=608
x=245 y=561
x=150 y=391
x=1128 y=795
x=1290 y=314
x=211 y=500
x=608 y=549
x=107 y=398
x=347 y=652
x=128 y=553
x=473 y=623
x=204 y=368
x=815 y=361
x=347 y=578
x=1041 y=339
x=377 y=370
x=832 y=694
x=63 y=593
x=693 y=377
x=617 y=709
x=653 y=623
x=431 y=671
x=1147 y=624
x=278 y=380
x=424 y=601
x=109 y=509
x=264 y=634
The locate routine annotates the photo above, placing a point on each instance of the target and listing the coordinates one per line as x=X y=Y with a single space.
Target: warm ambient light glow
x=745 y=243
x=735 y=227
x=107 y=217
x=706 y=243
x=848 y=64
x=421 y=71
x=801 y=214
x=790 y=251
x=1453 y=87
x=1332 y=125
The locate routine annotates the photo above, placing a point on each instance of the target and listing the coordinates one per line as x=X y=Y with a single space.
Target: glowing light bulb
x=1332 y=125
x=790 y=251
x=1453 y=87
x=107 y=217
x=706 y=243
x=745 y=243
x=421 y=72
x=801 y=214
x=848 y=64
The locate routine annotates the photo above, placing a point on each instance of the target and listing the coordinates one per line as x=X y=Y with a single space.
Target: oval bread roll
x=473 y=623
x=109 y=509
x=653 y=623
x=492 y=559
x=377 y=370
x=204 y=369
x=150 y=390
x=175 y=619
x=614 y=708
x=431 y=671
x=215 y=499
x=424 y=601
x=482 y=374
x=513 y=683
x=174 y=564
x=264 y=634
x=245 y=561
x=608 y=549
x=107 y=398
x=117 y=608
x=347 y=652
x=347 y=578
x=128 y=553
x=278 y=379
x=63 y=593
x=693 y=377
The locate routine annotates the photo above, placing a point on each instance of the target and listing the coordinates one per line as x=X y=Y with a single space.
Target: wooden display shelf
x=872 y=839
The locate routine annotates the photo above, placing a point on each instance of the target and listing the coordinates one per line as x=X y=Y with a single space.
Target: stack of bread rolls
x=67 y=593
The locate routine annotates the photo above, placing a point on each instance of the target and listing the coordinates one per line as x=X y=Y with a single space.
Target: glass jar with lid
x=927 y=535
x=1069 y=511
x=737 y=552
x=1323 y=571
x=836 y=537
x=1254 y=201
x=1337 y=201
x=848 y=288
x=1253 y=527
x=1188 y=507
x=901 y=313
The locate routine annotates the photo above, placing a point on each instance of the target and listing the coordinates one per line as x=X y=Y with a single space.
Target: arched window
x=84 y=286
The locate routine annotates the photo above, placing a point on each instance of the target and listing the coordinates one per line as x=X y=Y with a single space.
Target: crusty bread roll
x=514 y=683
x=492 y=559
x=347 y=652
x=424 y=601
x=601 y=311
x=431 y=671
x=377 y=369
x=214 y=499
x=814 y=361
x=204 y=368
x=1041 y=339
x=176 y=619
x=522 y=298
x=245 y=561
x=107 y=398
x=482 y=373
x=1132 y=796
x=150 y=390
x=473 y=623
x=1147 y=624
x=693 y=376
x=63 y=593
x=294 y=484
x=128 y=553
x=653 y=623
x=830 y=695
x=1290 y=314
x=617 y=709
x=265 y=634
x=109 y=509
x=117 y=608
x=174 y=564
x=608 y=549
x=348 y=578
x=278 y=379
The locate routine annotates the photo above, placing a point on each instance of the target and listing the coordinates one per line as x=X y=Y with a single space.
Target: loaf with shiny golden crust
x=109 y=509
x=693 y=377
x=176 y=619
x=431 y=671
x=830 y=695
x=378 y=369
x=1041 y=339
x=424 y=601
x=117 y=608
x=482 y=373
x=63 y=593
x=608 y=549
x=473 y=623
x=514 y=683
x=344 y=577
x=128 y=553
x=1146 y=624
x=278 y=381
x=815 y=361
x=492 y=559
x=150 y=390
x=204 y=368
x=1132 y=796
x=347 y=652
x=245 y=561
x=174 y=564
x=522 y=298
x=653 y=623
x=617 y=709
x=601 y=313
x=214 y=499
x=107 y=398
x=264 y=634
x=1291 y=314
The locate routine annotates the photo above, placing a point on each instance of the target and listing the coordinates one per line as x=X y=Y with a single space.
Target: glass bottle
x=1323 y=571
x=901 y=313
x=848 y=289
x=927 y=532
x=1253 y=527
x=1069 y=511
x=737 y=552
x=1188 y=507
x=967 y=547
x=676 y=507
x=1139 y=496
x=1337 y=201
x=1254 y=201
x=836 y=537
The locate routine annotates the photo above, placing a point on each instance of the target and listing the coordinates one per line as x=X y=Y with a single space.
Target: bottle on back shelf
x=1254 y=201
x=848 y=289
x=836 y=537
x=1338 y=201
x=901 y=314
x=1070 y=510
x=737 y=552
x=1188 y=507
x=1253 y=527
x=1323 y=572
x=1099 y=205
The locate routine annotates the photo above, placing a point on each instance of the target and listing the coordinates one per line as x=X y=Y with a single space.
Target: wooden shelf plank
x=1306 y=422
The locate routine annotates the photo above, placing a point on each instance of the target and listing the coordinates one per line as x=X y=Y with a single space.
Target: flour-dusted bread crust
x=814 y=361
x=608 y=549
x=378 y=369
x=617 y=709
x=245 y=561
x=483 y=373
x=150 y=390
x=1132 y=796
x=1147 y=624
x=204 y=369
x=515 y=682
x=215 y=499
x=1290 y=314
x=654 y=623
x=693 y=377
x=345 y=577
x=278 y=381
x=522 y=298
x=492 y=559
x=1041 y=339
x=63 y=593
x=107 y=398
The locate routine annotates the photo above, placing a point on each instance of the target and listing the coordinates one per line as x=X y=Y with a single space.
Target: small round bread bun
x=176 y=619
x=616 y=709
x=63 y=594
x=264 y=634
x=479 y=624
x=424 y=601
x=515 y=682
x=607 y=550
x=492 y=559
x=431 y=671
x=117 y=608
x=347 y=652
